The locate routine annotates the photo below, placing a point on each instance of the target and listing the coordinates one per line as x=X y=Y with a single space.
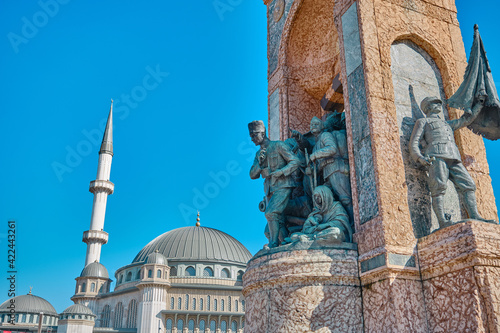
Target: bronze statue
x=441 y=155
x=330 y=155
x=276 y=163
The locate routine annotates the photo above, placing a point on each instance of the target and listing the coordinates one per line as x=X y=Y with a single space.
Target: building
x=185 y=280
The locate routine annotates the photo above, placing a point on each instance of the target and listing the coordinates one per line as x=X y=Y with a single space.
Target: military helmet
x=424 y=105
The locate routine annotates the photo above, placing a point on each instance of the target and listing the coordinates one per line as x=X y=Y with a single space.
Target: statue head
x=316 y=126
x=335 y=121
x=257 y=131
x=431 y=105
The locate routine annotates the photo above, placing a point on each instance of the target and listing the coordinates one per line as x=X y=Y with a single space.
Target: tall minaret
x=101 y=187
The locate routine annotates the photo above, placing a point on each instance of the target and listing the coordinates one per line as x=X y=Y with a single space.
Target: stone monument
x=406 y=269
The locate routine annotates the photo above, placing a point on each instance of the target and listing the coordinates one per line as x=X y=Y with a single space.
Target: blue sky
x=198 y=76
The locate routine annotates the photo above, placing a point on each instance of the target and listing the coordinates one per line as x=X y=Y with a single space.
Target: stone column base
x=311 y=290
x=460 y=267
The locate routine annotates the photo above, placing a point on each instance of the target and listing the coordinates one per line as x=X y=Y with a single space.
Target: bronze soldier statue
x=442 y=157
x=275 y=162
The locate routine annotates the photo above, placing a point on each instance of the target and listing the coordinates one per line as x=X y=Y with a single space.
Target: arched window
x=118 y=322
x=92 y=287
x=194 y=303
x=172 y=303
x=190 y=271
x=215 y=305
x=187 y=302
x=129 y=276
x=222 y=305
x=229 y=304
x=138 y=275
x=180 y=325
x=223 y=326
x=208 y=302
x=84 y=287
x=225 y=273
x=150 y=273
x=168 y=326
x=158 y=273
x=101 y=289
x=191 y=326
x=234 y=326
x=105 y=314
x=173 y=271
x=201 y=304
x=239 y=277
x=201 y=326
x=121 y=279
x=213 y=326
x=132 y=314
x=179 y=303
x=208 y=272
x=236 y=306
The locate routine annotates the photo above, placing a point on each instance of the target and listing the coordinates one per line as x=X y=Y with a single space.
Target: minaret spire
x=101 y=188
x=107 y=139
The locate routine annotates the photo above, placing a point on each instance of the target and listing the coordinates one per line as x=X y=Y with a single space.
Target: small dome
x=196 y=244
x=29 y=304
x=79 y=309
x=95 y=269
x=156 y=258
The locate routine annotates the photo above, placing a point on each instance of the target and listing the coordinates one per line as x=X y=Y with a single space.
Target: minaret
x=101 y=188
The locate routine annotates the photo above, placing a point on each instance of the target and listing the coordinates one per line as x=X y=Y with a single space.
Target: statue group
x=307 y=186
x=307 y=180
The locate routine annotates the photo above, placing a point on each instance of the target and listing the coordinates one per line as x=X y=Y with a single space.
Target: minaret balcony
x=99 y=185
x=95 y=236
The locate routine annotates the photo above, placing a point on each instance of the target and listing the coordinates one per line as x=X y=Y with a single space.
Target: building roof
x=29 y=304
x=156 y=258
x=79 y=309
x=95 y=269
x=196 y=244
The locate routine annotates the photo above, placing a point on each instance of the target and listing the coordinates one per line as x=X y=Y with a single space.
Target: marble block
x=313 y=290
x=460 y=267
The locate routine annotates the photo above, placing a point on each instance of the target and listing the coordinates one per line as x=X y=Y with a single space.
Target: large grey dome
x=196 y=244
x=29 y=304
x=95 y=269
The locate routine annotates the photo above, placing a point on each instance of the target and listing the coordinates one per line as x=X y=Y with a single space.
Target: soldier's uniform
x=447 y=164
x=333 y=160
x=278 y=157
x=438 y=134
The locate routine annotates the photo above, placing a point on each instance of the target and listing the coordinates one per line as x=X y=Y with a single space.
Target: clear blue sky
x=188 y=123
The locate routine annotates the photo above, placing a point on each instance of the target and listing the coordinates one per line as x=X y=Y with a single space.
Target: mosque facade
x=185 y=280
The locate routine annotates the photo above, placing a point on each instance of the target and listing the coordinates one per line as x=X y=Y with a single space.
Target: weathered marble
x=460 y=267
x=303 y=291
x=274 y=115
x=275 y=31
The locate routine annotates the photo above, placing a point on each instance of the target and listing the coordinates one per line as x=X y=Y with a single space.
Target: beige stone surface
x=394 y=306
x=460 y=267
x=303 y=291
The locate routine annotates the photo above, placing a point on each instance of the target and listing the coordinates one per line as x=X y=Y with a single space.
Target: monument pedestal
x=460 y=267
x=303 y=290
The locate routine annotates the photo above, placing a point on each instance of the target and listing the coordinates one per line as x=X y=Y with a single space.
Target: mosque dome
x=78 y=309
x=156 y=258
x=196 y=244
x=95 y=269
x=29 y=304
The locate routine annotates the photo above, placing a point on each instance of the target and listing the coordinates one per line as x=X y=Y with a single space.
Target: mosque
x=185 y=280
